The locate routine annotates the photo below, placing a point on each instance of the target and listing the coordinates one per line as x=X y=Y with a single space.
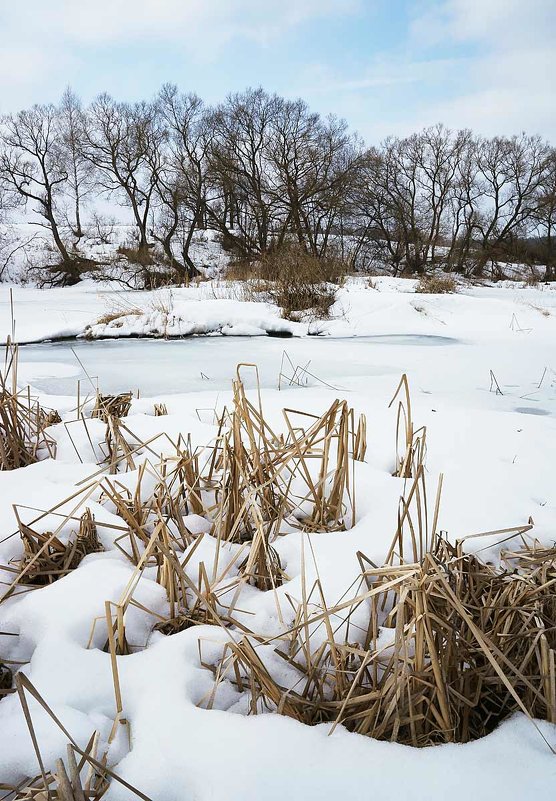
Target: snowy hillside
x=26 y=250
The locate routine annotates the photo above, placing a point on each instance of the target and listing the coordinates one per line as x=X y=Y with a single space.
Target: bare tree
x=245 y=204
x=33 y=169
x=315 y=162
x=464 y=206
x=510 y=172
x=71 y=143
x=545 y=217
x=282 y=171
x=180 y=176
x=121 y=140
x=406 y=197
x=10 y=243
x=6 y=200
x=266 y=171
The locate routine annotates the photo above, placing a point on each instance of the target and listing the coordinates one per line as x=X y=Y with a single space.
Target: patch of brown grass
x=23 y=421
x=436 y=285
x=136 y=255
x=117 y=314
x=294 y=280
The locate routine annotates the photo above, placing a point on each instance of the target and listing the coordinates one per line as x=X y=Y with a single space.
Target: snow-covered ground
x=496 y=452
x=493 y=312
x=27 y=248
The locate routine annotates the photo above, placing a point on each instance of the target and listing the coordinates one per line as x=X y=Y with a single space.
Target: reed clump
x=107 y=406
x=46 y=558
x=295 y=280
x=435 y=646
x=437 y=284
x=452 y=647
x=302 y=476
x=250 y=486
x=23 y=421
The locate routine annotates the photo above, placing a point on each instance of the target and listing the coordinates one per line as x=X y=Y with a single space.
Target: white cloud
x=383 y=72
x=483 y=64
x=123 y=21
x=508 y=85
x=496 y=23
x=488 y=65
x=40 y=39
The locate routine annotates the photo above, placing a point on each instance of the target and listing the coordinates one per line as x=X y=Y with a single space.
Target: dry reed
x=46 y=558
x=84 y=775
x=23 y=421
x=434 y=646
x=440 y=647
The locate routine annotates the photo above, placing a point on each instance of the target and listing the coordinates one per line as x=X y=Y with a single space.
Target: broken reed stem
x=57 y=785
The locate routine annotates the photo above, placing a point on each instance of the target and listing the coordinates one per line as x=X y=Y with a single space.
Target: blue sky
x=387 y=67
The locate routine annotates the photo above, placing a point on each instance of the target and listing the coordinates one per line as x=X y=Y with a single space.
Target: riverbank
x=363 y=308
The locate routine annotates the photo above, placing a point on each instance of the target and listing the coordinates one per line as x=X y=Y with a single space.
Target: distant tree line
x=263 y=171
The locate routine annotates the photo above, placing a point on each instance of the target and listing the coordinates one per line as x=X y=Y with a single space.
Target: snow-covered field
x=493 y=312
x=495 y=449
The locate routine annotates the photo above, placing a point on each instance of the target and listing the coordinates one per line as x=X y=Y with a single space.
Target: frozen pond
x=198 y=363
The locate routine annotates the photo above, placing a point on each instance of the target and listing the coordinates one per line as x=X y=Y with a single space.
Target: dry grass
x=410 y=443
x=107 y=406
x=433 y=646
x=118 y=308
x=135 y=255
x=241 y=270
x=83 y=775
x=534 y=278
x=23 y=422
x=451 y=647
x=251 y=485
x=117 y=314
x=294 y=280
x=436 y=285
x=46 y=558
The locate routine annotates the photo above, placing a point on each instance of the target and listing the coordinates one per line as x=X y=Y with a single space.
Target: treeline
x=265 y=171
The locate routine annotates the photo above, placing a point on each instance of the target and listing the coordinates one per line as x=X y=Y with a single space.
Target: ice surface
x=198 y=363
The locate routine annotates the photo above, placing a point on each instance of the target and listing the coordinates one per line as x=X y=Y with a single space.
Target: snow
x=217 y=307
x=496 y=452
x=26 y=248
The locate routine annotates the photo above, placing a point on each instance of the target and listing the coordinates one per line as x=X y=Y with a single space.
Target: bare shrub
x=533 y=279
x=102 y=229
x=436 y=285
x=296 y=281
x=153 y=272
x=241 y=270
